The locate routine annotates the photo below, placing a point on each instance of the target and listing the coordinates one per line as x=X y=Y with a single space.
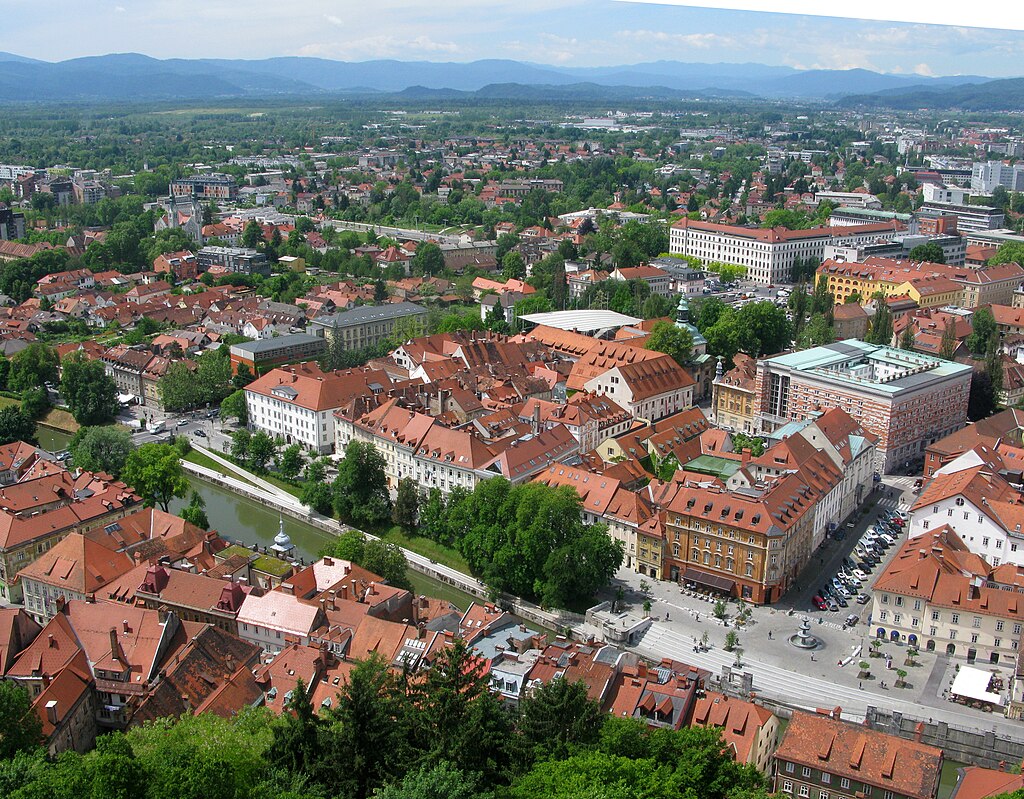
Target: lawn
x=199 y=459
x=425 y=547
x=6 y=402
x=62 y=420
x=270 y=478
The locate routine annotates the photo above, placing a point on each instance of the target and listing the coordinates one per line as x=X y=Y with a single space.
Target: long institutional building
x=907 y=399
x=770 y=253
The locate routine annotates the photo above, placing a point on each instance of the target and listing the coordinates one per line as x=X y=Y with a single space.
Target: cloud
x=699 y=41
x=334 y=20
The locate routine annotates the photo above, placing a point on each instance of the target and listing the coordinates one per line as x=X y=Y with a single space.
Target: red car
x=819 y=603
x=898 y=522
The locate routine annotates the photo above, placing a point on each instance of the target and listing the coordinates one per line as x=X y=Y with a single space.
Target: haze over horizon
x=561 y=33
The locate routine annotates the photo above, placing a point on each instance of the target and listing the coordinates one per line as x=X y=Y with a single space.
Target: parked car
x=863 y=599
x=852 y=619
x=200 y=434
x=860 y=575
x=833 y=606
x=182 y=422
x=841 y=601
x=819 y=603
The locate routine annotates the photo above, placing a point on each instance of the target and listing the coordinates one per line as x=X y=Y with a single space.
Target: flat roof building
x=263 y=353
x=366 y=325
x=907 y=399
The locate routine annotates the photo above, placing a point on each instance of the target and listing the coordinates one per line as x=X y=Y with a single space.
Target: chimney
x=51 y=712
x=51 y=641
x=424 y=602
x=113 y=642
x=328 y=562
x=344 y=591
x=745 y=456
x=1002 y=763
x=919 y=732
x=124 y=626
x=229 y=661
x=331 y=604
x=536 y=418
x=288 y=588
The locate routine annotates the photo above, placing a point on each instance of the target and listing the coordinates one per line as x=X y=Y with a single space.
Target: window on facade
x=844 y=783
x=787 y=786
x=789 y=768
x=955 y=618
x=1016 y=629
x=999 y=626
x=806 y=772
x=804 y=791
x=935 y=615
x=976 y=622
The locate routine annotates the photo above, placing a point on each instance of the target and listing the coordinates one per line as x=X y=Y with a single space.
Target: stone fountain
x=803 y=639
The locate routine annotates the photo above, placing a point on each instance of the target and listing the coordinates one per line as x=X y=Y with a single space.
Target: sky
x=583 y=33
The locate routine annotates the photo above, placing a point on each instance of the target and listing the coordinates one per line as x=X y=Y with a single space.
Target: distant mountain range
x=130 y=76
x=992 y=95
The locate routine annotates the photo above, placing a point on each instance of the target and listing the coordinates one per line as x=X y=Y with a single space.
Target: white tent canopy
x=973 y=684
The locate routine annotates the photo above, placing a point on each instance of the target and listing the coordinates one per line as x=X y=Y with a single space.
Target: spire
x=282 y=543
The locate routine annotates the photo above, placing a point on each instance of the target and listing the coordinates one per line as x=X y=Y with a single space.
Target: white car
x=860 y=575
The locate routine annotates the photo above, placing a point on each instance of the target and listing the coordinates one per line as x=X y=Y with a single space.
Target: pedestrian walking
x=860 y=685
x=769 y=635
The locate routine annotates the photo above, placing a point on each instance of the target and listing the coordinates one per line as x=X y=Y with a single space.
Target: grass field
x=62 y=420
x=199 y=459
x=425 y=547
x=6 y=402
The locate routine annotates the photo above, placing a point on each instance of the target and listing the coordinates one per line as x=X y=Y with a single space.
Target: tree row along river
x=245 y=522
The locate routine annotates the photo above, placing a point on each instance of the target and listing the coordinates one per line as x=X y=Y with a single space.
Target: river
x=51 y=439
x=240 y=520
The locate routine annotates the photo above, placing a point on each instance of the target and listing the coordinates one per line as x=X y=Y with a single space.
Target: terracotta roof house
x=848 y=760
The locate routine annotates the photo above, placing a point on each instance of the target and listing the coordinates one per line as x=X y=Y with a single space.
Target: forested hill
x=996 y=95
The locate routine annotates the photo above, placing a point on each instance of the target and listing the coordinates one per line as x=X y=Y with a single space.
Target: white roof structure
x=586 y=322
x=973 y=684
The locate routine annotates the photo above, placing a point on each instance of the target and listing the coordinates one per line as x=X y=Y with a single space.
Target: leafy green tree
x=881 y=325
x=16 y=426
x=406 y=508
x=948 y=343
x=741 y=441
x=994 y=368
x=240 y=441
x=387 y=561
x=195 y=512
x=114 y=770
x=234 y=406
x=930 y=252
x=513 y=267
x=437 y=780
x=365 y=743
x=295 y=746
x=317 y=495
x=261 y=451
x=1010 y=252
x=350 y=545
x=816 y=333
x=243 y=376
x=674 y=341
x=155 y=472
x=361 y=487
x=428 y=259
x=35 y=403
x=983 y=327
x=101 y=449
x=32 y=367
x=907 y=338
x=315 y=471
x=290 y=461
x=20 y=727
x=762 y=329
x=554 y=719
x=655 y=307
x=90 y=393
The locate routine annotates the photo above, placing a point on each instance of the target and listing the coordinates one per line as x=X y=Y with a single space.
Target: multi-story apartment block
x=297 y=403
x=978 y=503
x=821 y=757
x=207 y=187
x=12 y=224
x=650 y=388
x=930 y=285
x=734 y=394
x=943 y=201
x=986 y=175
x=907 y=399
x=939 y=596
x=658 y=279
x=265 y=353
x=749 y=543
x=769 y=254
x=367 y=325
x=235 y=259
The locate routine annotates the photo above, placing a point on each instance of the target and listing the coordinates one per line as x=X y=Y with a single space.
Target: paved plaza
x=827 y=676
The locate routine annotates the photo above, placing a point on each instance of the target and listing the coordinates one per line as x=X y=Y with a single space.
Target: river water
x=240 y=520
